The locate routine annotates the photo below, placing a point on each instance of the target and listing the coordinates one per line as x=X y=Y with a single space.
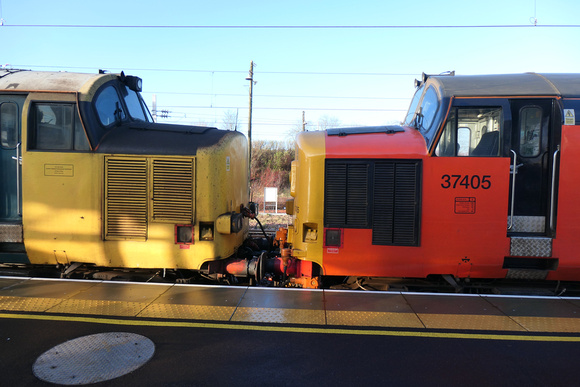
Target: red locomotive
x=479 y=182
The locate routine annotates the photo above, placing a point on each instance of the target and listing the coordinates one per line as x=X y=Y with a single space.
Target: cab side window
x=8 y=125
x=57 y=126
x=473 y=132
x=530 y=131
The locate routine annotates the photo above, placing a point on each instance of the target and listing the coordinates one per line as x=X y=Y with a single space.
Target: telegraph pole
x=251 y=79
x=303 y=122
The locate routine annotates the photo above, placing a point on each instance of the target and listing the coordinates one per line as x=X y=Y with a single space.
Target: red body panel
x=566 y=244
x=463 y=229
x=409 y=144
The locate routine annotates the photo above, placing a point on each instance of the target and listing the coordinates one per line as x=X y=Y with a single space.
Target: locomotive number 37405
x=466 y=181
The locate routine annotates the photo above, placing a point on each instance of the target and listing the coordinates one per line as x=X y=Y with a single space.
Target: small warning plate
x=569 y=117
x=465 y=205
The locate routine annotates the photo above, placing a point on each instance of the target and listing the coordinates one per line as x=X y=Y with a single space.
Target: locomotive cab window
x=530 y=131
x=473 y=132
x=57 y=126
x=426 y=113
x=137 y=108
x=109 y=108
x=8 y=125
x=413 y=107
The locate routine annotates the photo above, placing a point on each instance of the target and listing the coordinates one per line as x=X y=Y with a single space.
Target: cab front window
x=109 y=107
x=426 y=114
x=137 y=109
x=413 y=107
x=423 y=112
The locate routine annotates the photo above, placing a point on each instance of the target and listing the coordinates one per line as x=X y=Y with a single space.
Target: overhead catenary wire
x=284 y=108
x=290 y=27
x=220 y=71
x=275 y=96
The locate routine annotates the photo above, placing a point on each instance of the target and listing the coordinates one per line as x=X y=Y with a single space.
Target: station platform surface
x=216 y=335
x=322 y=308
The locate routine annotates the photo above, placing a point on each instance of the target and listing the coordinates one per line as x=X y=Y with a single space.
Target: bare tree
x=327 y=122
x=230 y=120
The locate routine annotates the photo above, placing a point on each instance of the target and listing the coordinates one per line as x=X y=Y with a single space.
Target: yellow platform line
x=270 y=328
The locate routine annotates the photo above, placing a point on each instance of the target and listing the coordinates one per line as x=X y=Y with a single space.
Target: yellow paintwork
x=88 y=90
x=223 y=224
x=308 y=180
x=63 y=204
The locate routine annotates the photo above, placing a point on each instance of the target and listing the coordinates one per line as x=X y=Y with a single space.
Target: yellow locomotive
x=87 y=177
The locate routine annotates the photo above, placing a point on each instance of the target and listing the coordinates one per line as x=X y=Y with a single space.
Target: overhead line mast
x=251 y=79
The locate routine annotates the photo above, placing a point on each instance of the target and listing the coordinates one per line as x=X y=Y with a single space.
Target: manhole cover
x=94 y=358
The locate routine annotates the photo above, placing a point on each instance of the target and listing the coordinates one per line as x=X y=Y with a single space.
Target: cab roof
x=24 y=80
x=528 y=84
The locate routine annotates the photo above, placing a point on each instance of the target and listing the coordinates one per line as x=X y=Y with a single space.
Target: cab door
x=532 y=152
x=10 y=170
x=10 y=158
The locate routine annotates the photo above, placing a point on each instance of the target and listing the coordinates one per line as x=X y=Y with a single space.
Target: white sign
x=270 y=194
x=569 y=117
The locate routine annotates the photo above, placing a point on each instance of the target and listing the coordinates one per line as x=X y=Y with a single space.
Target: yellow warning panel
x=373 y=319
x=469 y=321
x=279 y=315
x=188 y=312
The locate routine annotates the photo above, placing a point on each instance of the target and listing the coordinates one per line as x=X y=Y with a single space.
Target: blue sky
x=350 y=76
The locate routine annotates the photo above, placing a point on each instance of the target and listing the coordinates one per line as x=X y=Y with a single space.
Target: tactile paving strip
x=188 y=312
x=279 y=315
x=99 y=307
x=469 y=321
x=549 y=324
x=373 y=319
x=28 y=304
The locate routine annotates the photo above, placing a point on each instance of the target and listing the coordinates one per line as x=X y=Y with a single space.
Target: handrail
x=552 y=200
x=513 y=171
x=18 y=159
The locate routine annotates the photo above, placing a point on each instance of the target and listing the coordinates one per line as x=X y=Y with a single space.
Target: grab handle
x=513 y=172
x=552 y=198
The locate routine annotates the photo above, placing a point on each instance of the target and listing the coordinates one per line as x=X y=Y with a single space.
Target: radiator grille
x=384 y=203
x=346 y=195
x=173 y=190
x=126 y=198
x=396 y=204
x=383 y=195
